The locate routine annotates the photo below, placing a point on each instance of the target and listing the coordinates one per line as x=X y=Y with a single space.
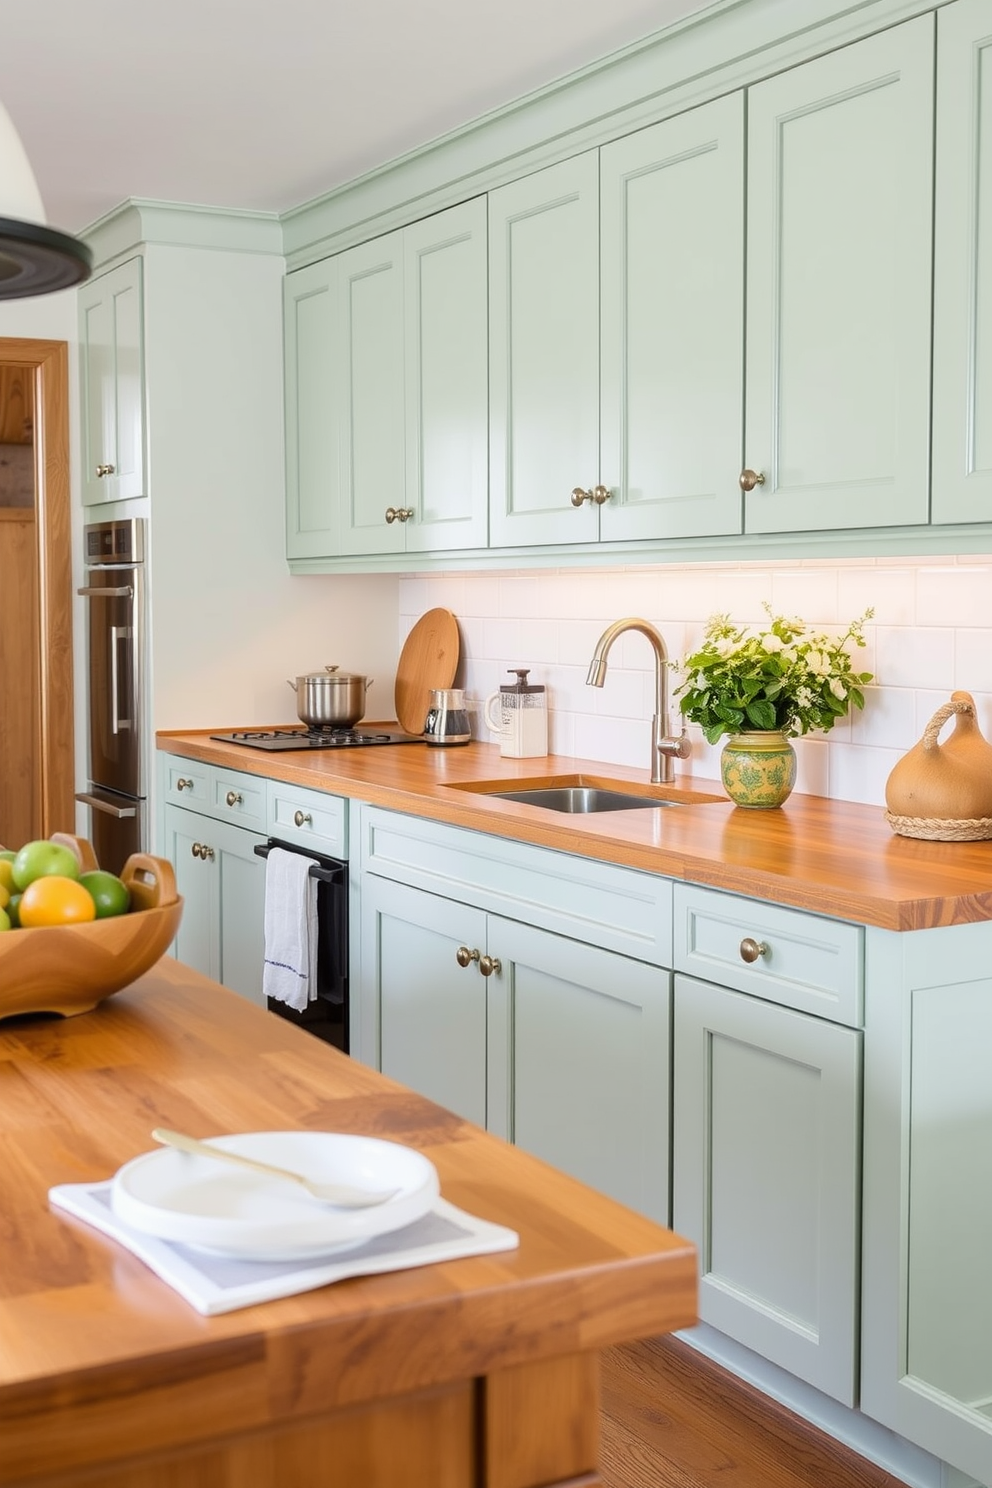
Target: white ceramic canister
x=518 y=715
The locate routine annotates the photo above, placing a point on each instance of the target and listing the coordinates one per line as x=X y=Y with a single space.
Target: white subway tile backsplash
x=931 y=633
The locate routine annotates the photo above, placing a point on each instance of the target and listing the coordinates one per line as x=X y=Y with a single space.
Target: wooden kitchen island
x=482 y=1371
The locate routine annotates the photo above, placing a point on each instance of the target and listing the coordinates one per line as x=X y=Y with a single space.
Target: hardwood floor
x=673 y=1419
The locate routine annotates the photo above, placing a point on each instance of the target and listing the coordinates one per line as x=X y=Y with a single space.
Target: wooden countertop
x=102 y=1363
x=836 y=858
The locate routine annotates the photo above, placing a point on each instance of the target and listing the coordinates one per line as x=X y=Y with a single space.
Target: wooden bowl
x=70 y=968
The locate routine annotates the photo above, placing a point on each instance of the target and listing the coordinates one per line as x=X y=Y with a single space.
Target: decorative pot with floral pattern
x=758 y=769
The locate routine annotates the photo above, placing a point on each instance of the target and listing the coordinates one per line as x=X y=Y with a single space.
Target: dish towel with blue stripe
x=290 y=973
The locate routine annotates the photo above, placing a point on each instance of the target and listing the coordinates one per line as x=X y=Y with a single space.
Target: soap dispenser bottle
x=518 y=715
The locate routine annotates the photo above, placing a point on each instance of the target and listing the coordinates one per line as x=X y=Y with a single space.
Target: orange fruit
x=54 y=900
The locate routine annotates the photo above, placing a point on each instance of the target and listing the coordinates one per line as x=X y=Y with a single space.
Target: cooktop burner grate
x=315 y=738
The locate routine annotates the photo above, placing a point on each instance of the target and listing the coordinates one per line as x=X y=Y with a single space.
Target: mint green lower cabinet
x=562 y=1048
x=766 y=1177
x=927 y=1266
x=431 y=1011
x=579 y=1061
x=222 y=884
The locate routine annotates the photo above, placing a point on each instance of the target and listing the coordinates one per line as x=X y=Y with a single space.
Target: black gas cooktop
x=316 y=738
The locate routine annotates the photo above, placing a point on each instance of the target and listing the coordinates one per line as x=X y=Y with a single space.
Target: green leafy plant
x=783 y=677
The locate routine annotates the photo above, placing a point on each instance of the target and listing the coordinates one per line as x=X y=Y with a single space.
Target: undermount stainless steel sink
x=580 y=799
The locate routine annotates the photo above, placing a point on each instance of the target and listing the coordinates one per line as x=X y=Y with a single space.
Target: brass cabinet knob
x=102 y=470
x=201 y=850
x=465 y=957
x=302 y=819
x=398 y=514
x=183 y=784
x=490 y=964
x=752 y=949
x=751 y=478
x=597 y=495
x=233 y=799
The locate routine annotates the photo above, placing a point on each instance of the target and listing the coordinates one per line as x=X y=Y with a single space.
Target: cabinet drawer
x=308 y=818
x=617 y=908
x=238 y=798
x=803 y=961
x=186 y=783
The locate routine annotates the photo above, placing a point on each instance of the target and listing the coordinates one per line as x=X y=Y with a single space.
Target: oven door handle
x=322 y=875
x=118 y=724
x=124 y=592
x=99 y=805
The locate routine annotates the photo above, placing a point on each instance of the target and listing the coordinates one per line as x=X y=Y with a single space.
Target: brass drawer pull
x=102 y=470
x=598 y=495
x=201 y=850
x=752 y=949
x=234 y=799
x=751 y=478
x=183 y=784
x=302 y=819
x=465 y=957
x=489 y=965
x=398 y=514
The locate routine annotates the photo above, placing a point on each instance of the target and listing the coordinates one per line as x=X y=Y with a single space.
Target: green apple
x=42 y=858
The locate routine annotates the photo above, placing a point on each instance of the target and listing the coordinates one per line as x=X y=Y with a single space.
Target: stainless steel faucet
x=665 y=749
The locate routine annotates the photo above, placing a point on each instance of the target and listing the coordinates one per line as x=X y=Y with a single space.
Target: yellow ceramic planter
x=758 y=769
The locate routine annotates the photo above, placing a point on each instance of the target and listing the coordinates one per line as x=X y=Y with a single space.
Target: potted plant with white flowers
x=762 y=687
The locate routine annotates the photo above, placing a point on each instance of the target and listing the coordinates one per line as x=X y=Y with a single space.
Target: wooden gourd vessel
x=944 y=791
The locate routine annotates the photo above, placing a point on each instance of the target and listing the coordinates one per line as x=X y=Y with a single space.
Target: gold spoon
x=330 y=1193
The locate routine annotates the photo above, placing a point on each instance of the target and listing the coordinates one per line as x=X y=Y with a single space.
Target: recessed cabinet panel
x=962 y=353
x=589 y=1055
x=311 y=448
x=767 y=1177
x=840 y=179
x=369 y=401
x=673 y=325
x=447 y=380
x=112 y=385
x=544 y=354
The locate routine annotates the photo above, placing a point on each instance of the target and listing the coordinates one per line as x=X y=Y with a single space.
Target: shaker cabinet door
x=111 y=345
x=672 y=248
x=544 y=354
x=962 y=353
x=447 y=386
x=766 y=1175
x=311 y=442
x=840 y=212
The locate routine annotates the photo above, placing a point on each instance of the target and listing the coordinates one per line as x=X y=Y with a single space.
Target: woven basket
x=935 y=829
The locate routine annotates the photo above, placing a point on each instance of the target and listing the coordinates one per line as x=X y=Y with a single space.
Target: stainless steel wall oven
x=327 y=1015
x=114 y=591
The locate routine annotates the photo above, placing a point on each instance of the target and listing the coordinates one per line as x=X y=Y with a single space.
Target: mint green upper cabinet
x=672 y=246
x=840 y=180
x=962 y=372
x=544 y=354
x=386 y=393
x=447 y=432
x=112 y=385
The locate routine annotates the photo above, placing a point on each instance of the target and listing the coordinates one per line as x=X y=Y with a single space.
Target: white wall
x=931 y=634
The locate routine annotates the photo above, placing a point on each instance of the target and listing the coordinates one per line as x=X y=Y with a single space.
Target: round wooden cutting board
x=429 y=659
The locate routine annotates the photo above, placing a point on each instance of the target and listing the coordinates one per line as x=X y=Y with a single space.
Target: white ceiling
x=262 y=105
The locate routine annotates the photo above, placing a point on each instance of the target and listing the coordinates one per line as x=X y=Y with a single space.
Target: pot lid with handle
x=331 y=676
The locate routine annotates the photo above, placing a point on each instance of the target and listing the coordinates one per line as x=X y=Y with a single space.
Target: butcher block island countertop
x=481 y=1371
x=836 y=858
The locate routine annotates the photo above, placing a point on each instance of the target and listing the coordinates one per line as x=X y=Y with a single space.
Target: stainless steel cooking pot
x=331 y=699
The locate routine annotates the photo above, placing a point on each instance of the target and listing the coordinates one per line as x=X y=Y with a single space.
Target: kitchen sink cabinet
x=557 y=1046
x=604 y=381
x=962 y=353
x=840 y=203
x=112 y=385
x=556 y=1042
x=386 y=393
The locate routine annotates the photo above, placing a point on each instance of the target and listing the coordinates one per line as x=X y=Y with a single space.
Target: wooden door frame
x=49 y=361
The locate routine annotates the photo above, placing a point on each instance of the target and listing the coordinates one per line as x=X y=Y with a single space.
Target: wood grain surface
x=429 y=659
x=107 y=1376
x=831 y=857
